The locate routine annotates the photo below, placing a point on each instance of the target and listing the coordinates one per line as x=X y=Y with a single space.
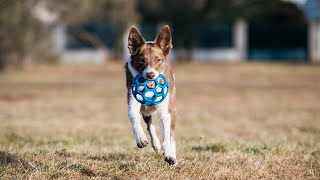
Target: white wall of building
x=65 y=55
x=234 y=54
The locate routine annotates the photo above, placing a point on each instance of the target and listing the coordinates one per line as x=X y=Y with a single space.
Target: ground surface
x=240 y=121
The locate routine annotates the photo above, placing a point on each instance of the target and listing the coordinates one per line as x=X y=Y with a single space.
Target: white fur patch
x=131 y=68
x=135 y=118
x=148 y=70
x=154 y=138
x=165 y=125
x=173 y=147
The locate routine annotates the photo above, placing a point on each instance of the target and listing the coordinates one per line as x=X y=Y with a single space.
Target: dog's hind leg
x=153 y=134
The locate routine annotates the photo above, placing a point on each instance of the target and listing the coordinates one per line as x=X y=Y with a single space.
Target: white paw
x=142 y=143
x=170 y=160
x=156 y=145
x=167 y=153
x=142 y=140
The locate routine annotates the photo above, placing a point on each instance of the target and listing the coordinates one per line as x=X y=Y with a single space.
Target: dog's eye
x=142 y=60
x=159 y=60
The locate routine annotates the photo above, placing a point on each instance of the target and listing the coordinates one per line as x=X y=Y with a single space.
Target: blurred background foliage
x=23 y=38
x=21 y=35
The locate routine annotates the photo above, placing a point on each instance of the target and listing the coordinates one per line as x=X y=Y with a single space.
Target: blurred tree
x=194 y=11
x=271 y=11
x=21 y=35
x=185 y=14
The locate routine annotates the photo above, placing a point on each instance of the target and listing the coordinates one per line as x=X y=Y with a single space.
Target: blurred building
x=202 y=32
x=90 y=42
x=231 y=30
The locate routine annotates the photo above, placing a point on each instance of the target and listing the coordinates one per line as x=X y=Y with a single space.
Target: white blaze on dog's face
x=149 y=58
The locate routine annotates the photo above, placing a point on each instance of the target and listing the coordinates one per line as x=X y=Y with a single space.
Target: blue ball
x=150 y=95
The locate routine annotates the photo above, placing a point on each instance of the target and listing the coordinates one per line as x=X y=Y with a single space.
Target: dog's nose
x=150 y=75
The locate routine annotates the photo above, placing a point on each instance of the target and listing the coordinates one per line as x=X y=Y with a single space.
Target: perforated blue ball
x=150 y=95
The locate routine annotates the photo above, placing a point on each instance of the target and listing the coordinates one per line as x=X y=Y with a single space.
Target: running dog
x=150 y=58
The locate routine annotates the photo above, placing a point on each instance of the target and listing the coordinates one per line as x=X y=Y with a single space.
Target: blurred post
x=59 y=38
x=314 y=41
x=240 y=38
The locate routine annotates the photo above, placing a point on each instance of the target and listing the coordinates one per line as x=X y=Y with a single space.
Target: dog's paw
x=142 y=143
x=170 y=160
x=156 y=145
x=156 y=149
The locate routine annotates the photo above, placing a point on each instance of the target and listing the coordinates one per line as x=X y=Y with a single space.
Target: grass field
x=235 y=121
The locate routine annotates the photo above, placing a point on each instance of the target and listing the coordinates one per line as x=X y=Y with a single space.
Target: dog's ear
x=135 y=41
x=164 y=40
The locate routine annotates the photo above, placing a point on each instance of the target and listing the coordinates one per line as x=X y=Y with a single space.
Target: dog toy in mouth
x=150 y=92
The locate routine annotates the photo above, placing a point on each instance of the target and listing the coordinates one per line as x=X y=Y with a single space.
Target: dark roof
x=312 y=10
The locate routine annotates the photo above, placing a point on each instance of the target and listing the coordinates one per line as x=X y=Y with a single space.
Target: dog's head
x=150 y=58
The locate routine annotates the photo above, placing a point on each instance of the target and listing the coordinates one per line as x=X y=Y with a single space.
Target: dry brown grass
x=235 y=121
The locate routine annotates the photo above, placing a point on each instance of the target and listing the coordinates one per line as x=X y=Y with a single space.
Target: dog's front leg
x=135 y=118
x=165 y=125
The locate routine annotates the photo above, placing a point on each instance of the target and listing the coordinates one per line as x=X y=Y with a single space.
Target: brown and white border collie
x=149 y=59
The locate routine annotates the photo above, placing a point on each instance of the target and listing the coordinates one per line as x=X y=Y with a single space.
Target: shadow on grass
x=255 y=150
x=7 y=158
x=117 y=156
x=83 y=169
x=210 y=148
x=222 y=148
x=13 y=160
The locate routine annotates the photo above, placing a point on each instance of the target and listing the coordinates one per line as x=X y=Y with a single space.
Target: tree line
x=23 y=38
